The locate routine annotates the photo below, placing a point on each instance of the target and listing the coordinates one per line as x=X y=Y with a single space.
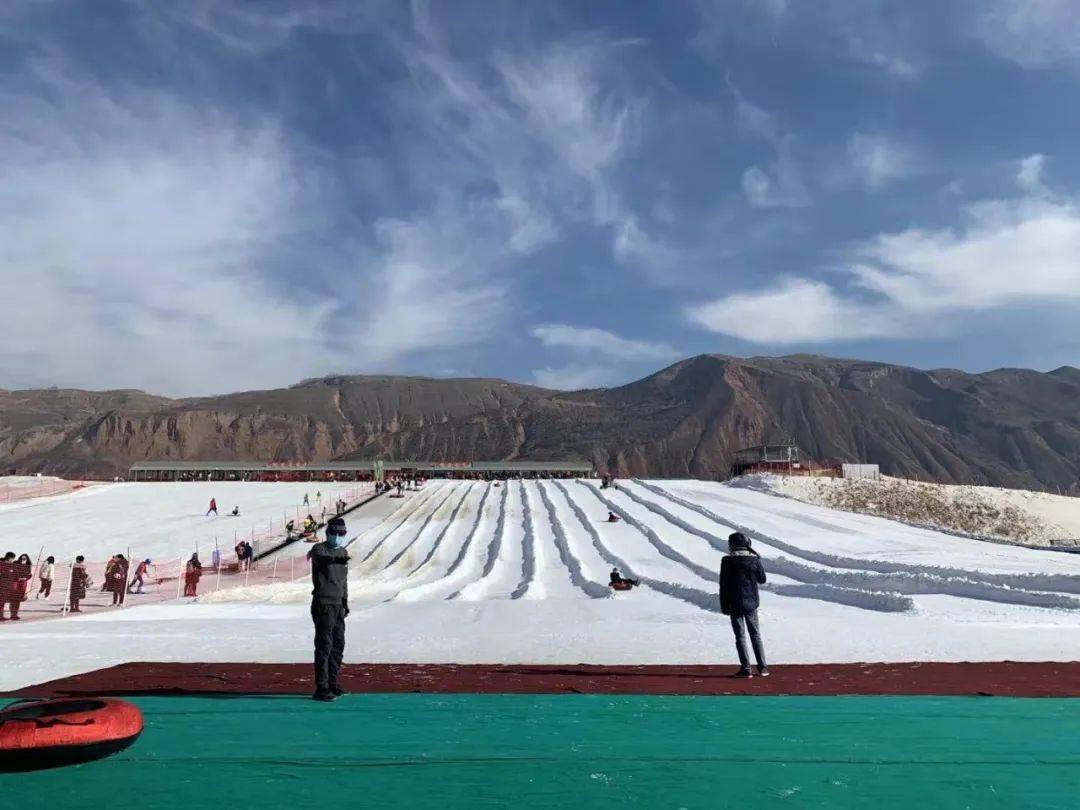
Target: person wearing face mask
x=329 y=607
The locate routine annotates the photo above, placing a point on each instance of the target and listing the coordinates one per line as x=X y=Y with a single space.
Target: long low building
x=349 y=470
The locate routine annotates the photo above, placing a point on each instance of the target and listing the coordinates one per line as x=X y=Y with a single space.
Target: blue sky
x=198 y=197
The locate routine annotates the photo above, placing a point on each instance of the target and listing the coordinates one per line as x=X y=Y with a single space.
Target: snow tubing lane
x=65 y=731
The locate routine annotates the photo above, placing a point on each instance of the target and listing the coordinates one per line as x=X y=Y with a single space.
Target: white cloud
x=142 y=238
x=877 y=160
x=583 y=120
x=601 y=342
x=435 y=284
x=778 y=185
x=573 y=377
x=132 y=230
x=1029 y=174
x=577 y=377
x=873 y=33
x=1033 y=33
x=633 y=245
x=917 y=283
x=796 y=311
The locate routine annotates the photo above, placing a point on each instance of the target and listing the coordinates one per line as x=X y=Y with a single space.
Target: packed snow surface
x=471 y=572
x=156 y=520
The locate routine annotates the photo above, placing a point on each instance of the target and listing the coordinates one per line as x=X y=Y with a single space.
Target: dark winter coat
x=80 y=581
x=329 y=574
x=116 y=576
x=740 y=575
x=7 y=579
x=20 y=585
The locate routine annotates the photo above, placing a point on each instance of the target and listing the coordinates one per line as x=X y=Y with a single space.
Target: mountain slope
x=1010 y=427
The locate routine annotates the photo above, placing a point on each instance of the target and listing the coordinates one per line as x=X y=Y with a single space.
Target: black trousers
x=329 y=621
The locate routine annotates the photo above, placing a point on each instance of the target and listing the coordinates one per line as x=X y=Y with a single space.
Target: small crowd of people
x=15 y=576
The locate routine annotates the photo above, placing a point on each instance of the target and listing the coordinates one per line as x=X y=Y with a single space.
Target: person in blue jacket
x=741 y=572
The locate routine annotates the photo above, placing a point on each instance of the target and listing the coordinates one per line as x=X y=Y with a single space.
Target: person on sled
x=235 y=511
x=618 y=581
x=612 y=517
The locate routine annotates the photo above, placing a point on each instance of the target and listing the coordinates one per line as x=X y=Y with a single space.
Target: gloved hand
x=345 y=604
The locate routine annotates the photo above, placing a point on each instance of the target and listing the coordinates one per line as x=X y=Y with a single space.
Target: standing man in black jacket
x=329 y=607
x=741 y=572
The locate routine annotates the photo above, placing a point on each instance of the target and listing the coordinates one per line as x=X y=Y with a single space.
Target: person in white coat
x=46 y=574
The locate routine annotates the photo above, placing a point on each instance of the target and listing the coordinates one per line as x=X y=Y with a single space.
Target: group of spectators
x=15 y=576
x=17 y=573
x=400 y=483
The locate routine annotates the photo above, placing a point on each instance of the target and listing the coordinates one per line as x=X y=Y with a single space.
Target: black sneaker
x=337 y=691
x=744 y=673
x=324 y=697
x=763 y=672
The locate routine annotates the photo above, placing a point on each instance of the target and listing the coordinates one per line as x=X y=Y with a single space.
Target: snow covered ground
x=1039 y=518
x=157 y=520
x=468 y=572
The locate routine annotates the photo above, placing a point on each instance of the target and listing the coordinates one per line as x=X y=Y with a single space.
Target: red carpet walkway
x=1006 y=678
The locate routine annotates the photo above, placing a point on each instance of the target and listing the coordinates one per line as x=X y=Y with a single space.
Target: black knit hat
x=336 y=526
x=738 y=540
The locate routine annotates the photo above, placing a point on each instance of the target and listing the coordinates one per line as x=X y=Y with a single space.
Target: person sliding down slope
x=329 y=607
x=741 y=572
x=612 y=517
x=621 y=583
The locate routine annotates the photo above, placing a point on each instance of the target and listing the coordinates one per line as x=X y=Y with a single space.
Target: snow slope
x=472 y=573
x=157 y=520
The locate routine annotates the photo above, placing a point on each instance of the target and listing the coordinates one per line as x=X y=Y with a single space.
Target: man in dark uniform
x=329 y=607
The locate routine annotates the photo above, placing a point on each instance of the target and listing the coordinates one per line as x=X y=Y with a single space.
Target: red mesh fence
x=30 y=488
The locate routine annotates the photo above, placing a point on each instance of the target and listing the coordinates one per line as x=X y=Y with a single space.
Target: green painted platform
x=582 y=751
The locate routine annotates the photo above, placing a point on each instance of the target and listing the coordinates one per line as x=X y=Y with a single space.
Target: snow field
x=472 y=573
x=158 y=520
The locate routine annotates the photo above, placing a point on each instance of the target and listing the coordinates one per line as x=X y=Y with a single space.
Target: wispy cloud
x=132 y=230
x=779 y=184
x=574 y=377
x=1029 y=175
x=915 y=283
x=1033 y=33
x=866 y=32
x=876 y=159
x=601 y=342
x=600 y=358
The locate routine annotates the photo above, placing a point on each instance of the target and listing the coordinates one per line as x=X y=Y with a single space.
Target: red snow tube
x=65 y=731
x=621 y=586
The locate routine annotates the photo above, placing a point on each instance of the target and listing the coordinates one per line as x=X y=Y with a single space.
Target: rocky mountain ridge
x=1009 y=427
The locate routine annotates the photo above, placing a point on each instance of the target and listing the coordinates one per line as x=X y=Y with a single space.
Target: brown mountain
x=1009 y=427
